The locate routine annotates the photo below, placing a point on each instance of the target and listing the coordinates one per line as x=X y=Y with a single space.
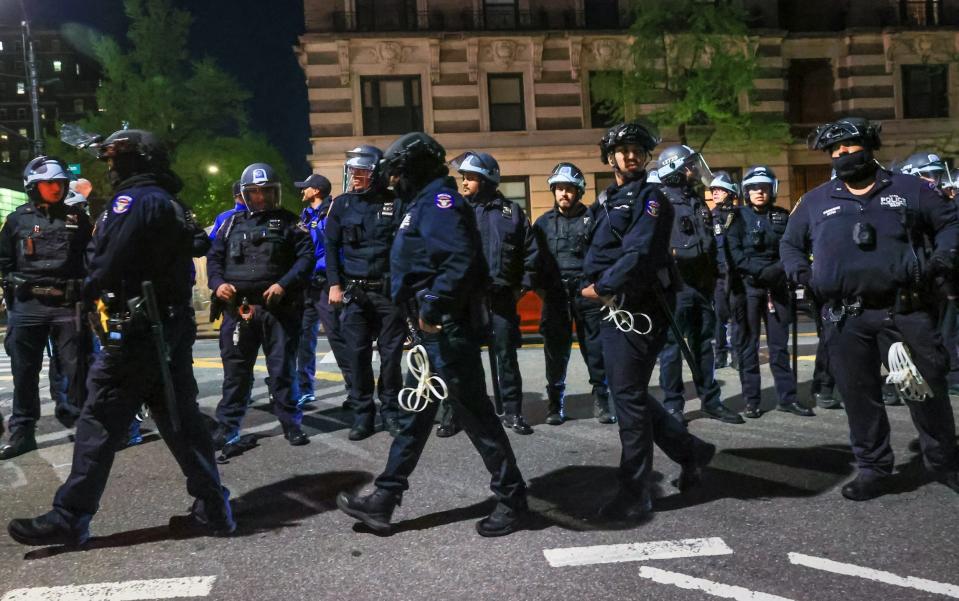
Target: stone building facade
x=511 y=77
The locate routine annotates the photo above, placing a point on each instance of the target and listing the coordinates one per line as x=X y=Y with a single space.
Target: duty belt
x=900 y=301
x=366 y=284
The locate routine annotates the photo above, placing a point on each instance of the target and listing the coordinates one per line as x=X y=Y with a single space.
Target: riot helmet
x=760 y=177
x=46 y=180
x=641 y=135
x=260 y=188
x=926 y=165
x=359 y=170
x=723 y=181
x=845 y=129
x=567 y=173
x=679 y=165
x=480 y=163
x=410 y=162
x=653 y=177
x=130 y=152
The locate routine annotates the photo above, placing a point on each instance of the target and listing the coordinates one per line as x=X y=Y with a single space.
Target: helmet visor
x=357 y=180
x=697 y=170
x=261 y=198
x=826 y=136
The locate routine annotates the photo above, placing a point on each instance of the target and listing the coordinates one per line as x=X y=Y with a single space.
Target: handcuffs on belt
x=845 y=309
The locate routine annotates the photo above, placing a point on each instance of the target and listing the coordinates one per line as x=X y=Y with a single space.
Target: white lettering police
x=894 y=202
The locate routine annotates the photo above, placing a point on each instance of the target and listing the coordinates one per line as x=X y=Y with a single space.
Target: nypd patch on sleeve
x=443 y=200
x=652 y=208
x=121 y=204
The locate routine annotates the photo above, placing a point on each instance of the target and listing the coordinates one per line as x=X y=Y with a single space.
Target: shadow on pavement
x=278 y=505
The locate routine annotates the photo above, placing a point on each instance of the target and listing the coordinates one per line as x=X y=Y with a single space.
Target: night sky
x=250 y=39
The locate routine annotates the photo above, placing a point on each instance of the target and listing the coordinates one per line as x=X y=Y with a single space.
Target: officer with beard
x=437 y=266
x=866 y=231
x=144 y=235
x=42 y=246
x=628 y=265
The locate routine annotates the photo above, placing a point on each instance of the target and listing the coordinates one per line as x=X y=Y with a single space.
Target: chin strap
x=904 y=374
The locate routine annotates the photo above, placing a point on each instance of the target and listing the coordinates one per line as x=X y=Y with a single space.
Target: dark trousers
x=857 y=347
x=822 y=380
x=316 y=311
x=630 y=358
x=120 y=381
x=561 y=310
x=454 y=354
x=25 y=345
x=696 y=319
x=278 y=332
x=505 y=340
x=949 y=328
x=372 y=316
x=751 y=311
x=721 y=334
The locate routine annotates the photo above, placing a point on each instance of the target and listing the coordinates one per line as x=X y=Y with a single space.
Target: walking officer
x=42 y=247
x=761 y=295
x=316 y=306
x=562 y=234
x=260 y=262
x=693 y=247
x=628 y=263
x=144 y=236
x=510 y=251
x=437 y=266
x=866 y=230
x=359 y=232
x=725 y=196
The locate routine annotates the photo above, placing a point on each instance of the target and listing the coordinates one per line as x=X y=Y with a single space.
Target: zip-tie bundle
x=903 y=373
x=428 y=387
x=624 y=320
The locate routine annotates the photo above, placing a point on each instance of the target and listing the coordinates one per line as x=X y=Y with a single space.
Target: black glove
x=803 y=277
x=942 y=262
x=772 y=275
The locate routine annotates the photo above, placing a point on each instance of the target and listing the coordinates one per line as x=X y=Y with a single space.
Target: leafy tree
x=696 y=59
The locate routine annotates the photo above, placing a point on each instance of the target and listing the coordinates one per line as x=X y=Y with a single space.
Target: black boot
x=295 y=436
x=692 y=470
x=46 y=530
x=825 y=399
x=723 y=413
x=502 y=521
x=21 y=441
x=374 y=510
x=627 y=506
x=206 y=518
x=517 y=423
x=722 y=359
x=890 y=396
x=601 y=410
x=362 y=427
x=448 y=427
x=864 y=488
x=555 y=414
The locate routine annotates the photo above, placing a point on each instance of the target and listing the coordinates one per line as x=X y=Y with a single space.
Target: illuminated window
x=57 y=66
x=21 y=88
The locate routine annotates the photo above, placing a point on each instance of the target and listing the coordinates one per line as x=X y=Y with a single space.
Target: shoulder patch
x=122 y=204
x=652 y=208
x=443 y=200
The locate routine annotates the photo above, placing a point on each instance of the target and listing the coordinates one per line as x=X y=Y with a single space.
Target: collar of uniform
x=440 y=183
x=309 y=212
x=578 y=211
x=883 y=181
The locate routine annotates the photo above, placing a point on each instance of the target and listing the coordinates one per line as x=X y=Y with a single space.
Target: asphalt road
x=767 y=524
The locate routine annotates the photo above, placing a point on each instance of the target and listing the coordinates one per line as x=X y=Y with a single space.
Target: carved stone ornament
x=389 y=54
x=343 y=61
x=472 y=59
x=607 y=52
x=928 y=47
x=575 y=56
x=502 y=52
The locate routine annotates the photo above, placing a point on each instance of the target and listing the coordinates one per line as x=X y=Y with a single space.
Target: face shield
x=697 y=170
x=358 y=172
x=259 y=198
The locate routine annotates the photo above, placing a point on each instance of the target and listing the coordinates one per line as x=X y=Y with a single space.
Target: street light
x=213 y=169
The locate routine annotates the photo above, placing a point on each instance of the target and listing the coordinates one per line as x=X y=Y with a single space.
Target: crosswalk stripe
x=716 y=589
x=664 y=549
x=131 y=590
x=848 y=569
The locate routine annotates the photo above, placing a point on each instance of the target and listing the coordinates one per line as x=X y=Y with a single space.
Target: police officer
x=359 y=233
x=437 y=265
x=510 y=251
x=629 y=260
x=562 y=234
x=761 y=294
x=693 y=248
x=144 y=235
x=257 y=267
x=865 y=231
x=238 y=205
x=41 y=258
x=316 y=307
x=725 y=196
x=926 y=165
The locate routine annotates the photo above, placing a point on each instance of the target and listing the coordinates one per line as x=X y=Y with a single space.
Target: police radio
x=864 y=235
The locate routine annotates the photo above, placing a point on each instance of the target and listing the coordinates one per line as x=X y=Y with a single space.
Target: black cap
x=315 y=181
x=236 y=188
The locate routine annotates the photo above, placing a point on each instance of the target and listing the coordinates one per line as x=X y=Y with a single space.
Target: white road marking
x=19 y=478
x=60 y=458
x=131 y=590
x=848 y=569
x=328 y=358
x=716 y=589
x=666 y=549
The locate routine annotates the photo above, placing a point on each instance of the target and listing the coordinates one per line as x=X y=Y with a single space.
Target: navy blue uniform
x=436 y=260
x=253 y=251
x=562 y=241
x=724 y=330
x=510 y=252
x=42 y=262
x=317 y=309
x=693 y=246
x=875 y=289
x=144 y=235
x=760 y=297
x=359 y=232
x=630 y=254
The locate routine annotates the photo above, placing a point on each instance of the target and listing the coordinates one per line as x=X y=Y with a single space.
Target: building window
x=21 y=113
x=500 y=14
x=517 y=190
x=807 y=177
x=77 y=68
x=603 y=114
x=6 y=156
x=23 y=132
x=24 y=155
x=391 y=105
x=601 y=14
x=1 y=45
x=925 y=91
x=78 y=105
x=920 y=13
x=810 y=91
x=57 y=66
x=55 y=44
x=21 y=88
x=385 y=15
x=506 y=109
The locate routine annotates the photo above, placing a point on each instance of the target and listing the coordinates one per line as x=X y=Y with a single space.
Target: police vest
x=260 y=248
x=567 y=238
x=692 y=236
x=501 y=226
x=49 y=245
x=367 y=229
x=763 y=230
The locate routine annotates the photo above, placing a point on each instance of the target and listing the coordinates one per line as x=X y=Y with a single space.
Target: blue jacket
x=314 y=220
x=902 y=210
x=218 y=222
x=509 y=245
x=437 y=254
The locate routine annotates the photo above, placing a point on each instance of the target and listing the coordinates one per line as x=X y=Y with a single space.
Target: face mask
x=853 y=167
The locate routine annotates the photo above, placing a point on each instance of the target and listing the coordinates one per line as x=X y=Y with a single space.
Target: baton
x=678 y=335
